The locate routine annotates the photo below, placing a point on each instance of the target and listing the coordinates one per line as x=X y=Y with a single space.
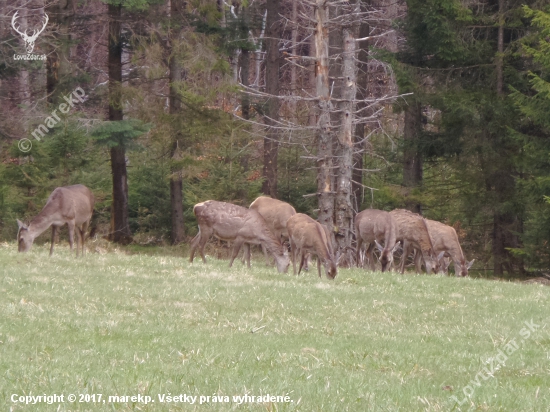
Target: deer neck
x=456 y=255
x=40 y=223
x=271 y=244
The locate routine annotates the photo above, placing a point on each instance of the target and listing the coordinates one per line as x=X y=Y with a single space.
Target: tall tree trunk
x=505 y=223
x=176 y=176
x=120 y=229
x=272 y=66
x=58 y=68
x=325 y=191
x=294 y=49
x=412 y=162
x=344 y=145
x=361 y=128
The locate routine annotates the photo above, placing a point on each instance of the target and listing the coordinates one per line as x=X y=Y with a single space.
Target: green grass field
x=135 y=324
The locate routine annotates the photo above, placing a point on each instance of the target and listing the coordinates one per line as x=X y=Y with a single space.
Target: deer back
x=374 y=224
x=412 y=227
x=309 y=235
x=229 y=222
x=275 y=212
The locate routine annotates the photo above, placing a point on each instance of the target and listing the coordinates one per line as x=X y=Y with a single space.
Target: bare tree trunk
x=506 y=224
x=293 y=39
x=272 y=66
x=360 y=130
x=325 y=191
x=120 y=229
x=412 y=162
x=245 y=108
x=344 y=146
x=176 y=176
x=58 y=61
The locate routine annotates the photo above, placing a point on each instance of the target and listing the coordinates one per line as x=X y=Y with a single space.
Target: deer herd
x=275 y=226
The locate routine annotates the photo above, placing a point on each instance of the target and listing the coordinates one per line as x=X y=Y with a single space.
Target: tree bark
x=505 y=223
x=272 y=66
x=120 y=229
x=58 y=61
x=176 y=176
x=325 y=191
x=412 y=162
x=344 y=145
x=361 y=128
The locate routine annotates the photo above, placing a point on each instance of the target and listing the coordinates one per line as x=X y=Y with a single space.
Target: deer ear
x=469 y=264
x=441 y=254
x=378 y=245
x=21 y=224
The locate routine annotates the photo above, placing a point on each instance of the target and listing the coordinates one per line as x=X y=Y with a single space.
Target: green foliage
x=120 y=133
x=534 y=137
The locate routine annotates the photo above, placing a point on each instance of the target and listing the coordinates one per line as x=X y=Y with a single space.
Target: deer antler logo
x=29 y=40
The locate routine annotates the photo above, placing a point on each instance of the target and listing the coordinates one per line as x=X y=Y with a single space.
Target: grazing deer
x=71 y=205
x=445 y=241
x=412 y=228
x=371 y=227
x=239 y=224
x=308 y=235
x=275 y=213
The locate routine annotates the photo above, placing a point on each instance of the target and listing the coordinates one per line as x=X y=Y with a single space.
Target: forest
x=441 y=107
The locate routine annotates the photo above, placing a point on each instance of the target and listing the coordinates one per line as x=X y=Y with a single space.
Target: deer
x=308 y=235
x=445 y=241
x=275 y=213
x=70 y=205
x=412 y=228
x=235 y=223
x=371 y=227
x=29 y=40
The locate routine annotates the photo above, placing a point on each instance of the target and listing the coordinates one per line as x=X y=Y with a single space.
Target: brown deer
x=71 y=205
x=275 y=213
x=239 y=224
x=445 y=242
x=308 y=235
x=412 y=228
x=371 y=227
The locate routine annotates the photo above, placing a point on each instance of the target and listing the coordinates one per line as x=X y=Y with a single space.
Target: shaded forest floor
x=120 y=323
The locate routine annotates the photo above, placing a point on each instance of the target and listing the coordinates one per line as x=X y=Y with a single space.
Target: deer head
x=29 y=40
x=24 y=237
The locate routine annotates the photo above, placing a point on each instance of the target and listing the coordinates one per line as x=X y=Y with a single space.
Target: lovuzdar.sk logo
x=29 y=39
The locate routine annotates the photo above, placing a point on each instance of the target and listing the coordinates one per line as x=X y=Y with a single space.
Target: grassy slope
x=128 y=324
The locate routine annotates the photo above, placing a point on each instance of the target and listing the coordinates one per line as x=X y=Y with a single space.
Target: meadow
x=122 y=323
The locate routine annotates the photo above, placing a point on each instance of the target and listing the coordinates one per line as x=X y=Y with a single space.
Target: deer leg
x=358 y=254
x=194 y=243
x=83 y=235
x=418 y=261
x=266 y=255
x=78 y=238
x=293 y=247
x=370 y=255
x=236 y=247
x=71 y=234
x=306 y=257
x=319 y=266
x=54 y=232
x=246 y=254
x=199 y=241
x=302 y=260
x=404 y=256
